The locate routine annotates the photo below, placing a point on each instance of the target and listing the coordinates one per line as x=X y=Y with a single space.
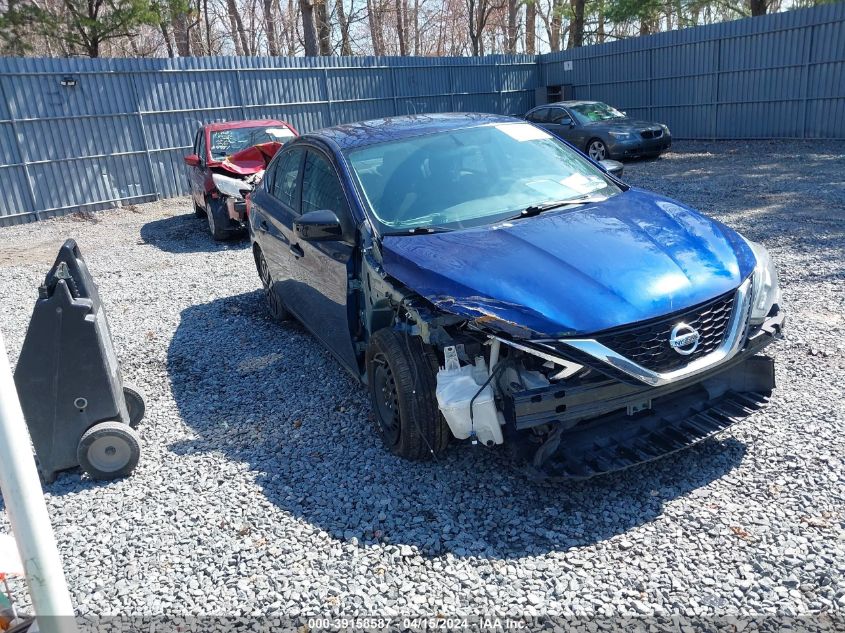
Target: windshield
x=227 y=142
x=470 y=177
x=592 y=112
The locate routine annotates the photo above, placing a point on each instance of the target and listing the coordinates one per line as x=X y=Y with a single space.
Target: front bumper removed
x=613 y=426
x=679 y=421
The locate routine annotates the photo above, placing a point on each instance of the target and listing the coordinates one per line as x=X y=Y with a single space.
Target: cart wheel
x=109 y=450
x=134 y=404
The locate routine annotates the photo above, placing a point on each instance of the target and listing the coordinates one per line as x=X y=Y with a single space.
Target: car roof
x=566 y=104
x=364 y=133
x=233 y=125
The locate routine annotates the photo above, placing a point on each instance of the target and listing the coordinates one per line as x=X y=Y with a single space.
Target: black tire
x=109 y=450
x=134 y=404
x=401 y=373
x=198 y=211
x=218 y=219
x=277 y=310
x=597 y=146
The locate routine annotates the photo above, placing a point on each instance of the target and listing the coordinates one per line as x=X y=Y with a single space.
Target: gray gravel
x=263 y=489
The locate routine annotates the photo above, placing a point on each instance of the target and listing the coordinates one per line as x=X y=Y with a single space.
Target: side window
x=286 y=179
x=559 y=115
x=321 y=189
x=201 y=146
x=539 y=116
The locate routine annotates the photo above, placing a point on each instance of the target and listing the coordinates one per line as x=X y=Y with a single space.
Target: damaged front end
x=574 y=407
x=238 y=175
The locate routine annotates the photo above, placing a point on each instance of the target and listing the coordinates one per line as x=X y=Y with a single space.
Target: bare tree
x=309 y=31
x=531 y=27
x=576 y=26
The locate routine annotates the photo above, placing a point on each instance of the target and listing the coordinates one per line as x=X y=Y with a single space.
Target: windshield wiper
x=536 y=209
x=419 y=230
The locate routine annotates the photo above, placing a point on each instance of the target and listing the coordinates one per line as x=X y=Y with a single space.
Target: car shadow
x=186 y=233
x=269 y=395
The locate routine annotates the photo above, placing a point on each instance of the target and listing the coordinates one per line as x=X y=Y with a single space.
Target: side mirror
x=613 y=167
x=567 y=121
x=318 y=226
x=192 y=160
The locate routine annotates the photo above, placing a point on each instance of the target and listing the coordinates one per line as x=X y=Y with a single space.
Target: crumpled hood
x=250 y=160
x=575 y=271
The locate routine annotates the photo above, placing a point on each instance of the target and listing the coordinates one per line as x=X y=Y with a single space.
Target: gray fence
x=88 y=134
x=776 y=76
x=79 y=134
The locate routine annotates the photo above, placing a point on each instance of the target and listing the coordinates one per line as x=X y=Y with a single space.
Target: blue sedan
x=491 y=285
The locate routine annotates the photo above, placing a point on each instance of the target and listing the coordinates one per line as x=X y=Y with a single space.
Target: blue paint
x=631 y=258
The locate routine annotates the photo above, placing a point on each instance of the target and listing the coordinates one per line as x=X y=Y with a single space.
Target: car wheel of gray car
x=218 y=219
x=401 y=377
x=274 y=303
x=597 y=150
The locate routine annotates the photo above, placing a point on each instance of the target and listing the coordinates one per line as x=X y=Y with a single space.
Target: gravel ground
x=263 y=489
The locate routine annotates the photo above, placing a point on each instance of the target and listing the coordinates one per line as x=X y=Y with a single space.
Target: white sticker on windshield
x=523 y=131
x=279 y=132
x=582 y=184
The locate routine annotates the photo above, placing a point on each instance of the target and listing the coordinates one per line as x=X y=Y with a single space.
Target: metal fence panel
x=115 y=131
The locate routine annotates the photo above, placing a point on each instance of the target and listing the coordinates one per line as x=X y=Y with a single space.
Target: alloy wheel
x=597 y=150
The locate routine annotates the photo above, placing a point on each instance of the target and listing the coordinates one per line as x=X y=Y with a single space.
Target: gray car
x=601 y=130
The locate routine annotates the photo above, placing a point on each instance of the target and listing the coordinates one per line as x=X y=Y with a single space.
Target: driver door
x=325 y=266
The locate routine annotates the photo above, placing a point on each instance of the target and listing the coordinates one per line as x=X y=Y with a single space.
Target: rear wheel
x=218 y=219
x=401 y=376
x=597 y=150
x=135 y=404
x=271 y=298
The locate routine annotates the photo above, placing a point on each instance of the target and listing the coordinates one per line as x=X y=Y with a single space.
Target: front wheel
x=597 y=150
x=109 y=450
x=218 y=219
x=401 y=376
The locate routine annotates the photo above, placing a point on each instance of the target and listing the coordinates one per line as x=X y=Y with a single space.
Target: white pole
x=24 y=501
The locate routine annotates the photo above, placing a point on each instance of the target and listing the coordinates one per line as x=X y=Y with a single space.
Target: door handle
x=297 y=251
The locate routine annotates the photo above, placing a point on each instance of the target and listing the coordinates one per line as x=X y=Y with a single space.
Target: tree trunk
x=343 y=23
x=165 y=33
x=554 y=32
x=600 y=34
x=576 y=26
x=374 y=18
x=308 y=30
x=531 y=27
x=239 y=33
x=758 y=7
x=513 y=11
x=400 y=28
x=270 y=28
x=321 y=16
x=416 y=27
x=179 y=22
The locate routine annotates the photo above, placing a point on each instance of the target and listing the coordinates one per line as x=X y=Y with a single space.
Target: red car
x=228 y=159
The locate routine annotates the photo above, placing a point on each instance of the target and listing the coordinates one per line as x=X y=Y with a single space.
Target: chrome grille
x=652 y=133
x=647 y=344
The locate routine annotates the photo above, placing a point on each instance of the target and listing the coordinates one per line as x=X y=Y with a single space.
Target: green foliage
x=89 y=23
x=17 y=20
